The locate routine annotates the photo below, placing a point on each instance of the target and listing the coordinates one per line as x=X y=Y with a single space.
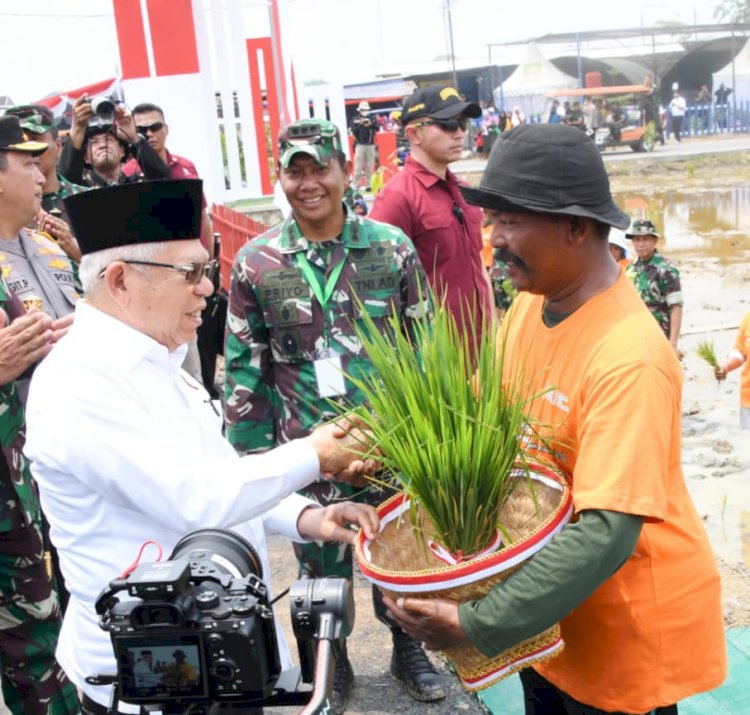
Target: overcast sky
x=54 y=45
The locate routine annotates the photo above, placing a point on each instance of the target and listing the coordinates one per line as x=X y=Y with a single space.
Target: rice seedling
x=447 y=427
x=707 y=353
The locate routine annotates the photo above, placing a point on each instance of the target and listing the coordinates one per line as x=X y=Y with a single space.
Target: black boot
x=412 y=667
x=343 y=680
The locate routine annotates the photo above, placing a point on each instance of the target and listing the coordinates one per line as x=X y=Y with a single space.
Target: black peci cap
x=143 y=212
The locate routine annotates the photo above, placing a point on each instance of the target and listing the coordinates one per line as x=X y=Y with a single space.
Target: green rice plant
x=706 y=352
x=448 y=427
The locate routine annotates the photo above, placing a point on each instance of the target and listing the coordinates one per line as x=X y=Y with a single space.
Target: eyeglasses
x=447 y=125
x=153 y=128
x=193 y=272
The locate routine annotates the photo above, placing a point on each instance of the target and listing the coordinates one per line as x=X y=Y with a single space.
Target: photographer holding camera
x=101 y=141
x=127 y=447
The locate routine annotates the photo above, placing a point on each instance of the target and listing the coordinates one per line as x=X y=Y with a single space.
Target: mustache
x=505 y=256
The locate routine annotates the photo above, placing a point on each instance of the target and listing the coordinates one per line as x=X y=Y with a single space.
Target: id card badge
x=328 y=371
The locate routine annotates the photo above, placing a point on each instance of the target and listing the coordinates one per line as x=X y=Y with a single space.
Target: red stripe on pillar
x=131 y=38
x=173 y=37
x=294 y=93
x=263 y=45
x=279 y=59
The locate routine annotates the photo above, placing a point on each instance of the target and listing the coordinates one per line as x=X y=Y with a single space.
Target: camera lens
x=103 y=107
x=227 y=550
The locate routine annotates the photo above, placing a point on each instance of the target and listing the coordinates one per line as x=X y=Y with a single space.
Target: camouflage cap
x=642 y=227
x=317 y=138
x=34 y=118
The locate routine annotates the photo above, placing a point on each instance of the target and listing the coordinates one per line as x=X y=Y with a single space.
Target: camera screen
x=156 y=668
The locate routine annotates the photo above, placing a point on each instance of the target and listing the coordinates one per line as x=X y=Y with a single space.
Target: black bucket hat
x=547 y=168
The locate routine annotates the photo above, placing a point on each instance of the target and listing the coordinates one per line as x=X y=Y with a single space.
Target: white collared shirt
x=126 y=447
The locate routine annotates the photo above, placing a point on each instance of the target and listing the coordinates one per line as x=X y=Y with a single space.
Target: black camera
x=103 y=107
x=201 y=632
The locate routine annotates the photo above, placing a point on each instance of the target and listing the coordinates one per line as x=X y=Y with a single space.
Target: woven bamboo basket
x=401 y=562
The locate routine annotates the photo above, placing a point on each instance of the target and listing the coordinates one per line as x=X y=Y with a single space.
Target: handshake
x=344 y=451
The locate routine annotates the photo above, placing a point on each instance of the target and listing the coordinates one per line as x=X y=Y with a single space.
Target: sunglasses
x=153 y=128
x=447 y=125
x=193 y=272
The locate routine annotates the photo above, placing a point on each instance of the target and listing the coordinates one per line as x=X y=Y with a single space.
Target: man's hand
x=125 y=125
x=329 y=523
x=61 y=326
x=434 y=621
x=341 y=449
x=82 y=112
x=60 y=232
x=24 y=342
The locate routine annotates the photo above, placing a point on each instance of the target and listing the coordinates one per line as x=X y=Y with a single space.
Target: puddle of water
x=697 y=223
x=706 y=233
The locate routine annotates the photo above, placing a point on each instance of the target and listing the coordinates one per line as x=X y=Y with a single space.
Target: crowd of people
x=111 y=438
x=588 y=115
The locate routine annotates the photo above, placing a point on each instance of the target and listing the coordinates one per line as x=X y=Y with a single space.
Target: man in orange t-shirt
x=739 y=356
x=631 y=578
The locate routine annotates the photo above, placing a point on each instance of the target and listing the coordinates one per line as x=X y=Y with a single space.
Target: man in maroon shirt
x=149 y=122
x=424 y=201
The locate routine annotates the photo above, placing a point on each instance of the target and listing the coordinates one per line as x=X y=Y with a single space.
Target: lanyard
x=322 y=292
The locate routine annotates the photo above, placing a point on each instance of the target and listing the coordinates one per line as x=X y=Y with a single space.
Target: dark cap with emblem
x=13 y=138
x=143 y=212
x=547 y=168
x=34 y=118
x=437 y=103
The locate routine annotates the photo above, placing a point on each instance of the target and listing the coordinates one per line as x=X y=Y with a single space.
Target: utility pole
x=447 y=8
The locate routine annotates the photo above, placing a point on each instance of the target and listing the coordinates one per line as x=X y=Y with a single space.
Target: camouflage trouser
x=32 y=681
x=332 y=558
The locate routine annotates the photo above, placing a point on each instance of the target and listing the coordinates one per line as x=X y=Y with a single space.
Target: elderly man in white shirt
x=127 y=447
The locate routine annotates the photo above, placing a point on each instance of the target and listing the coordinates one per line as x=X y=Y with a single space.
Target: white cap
x=617 y=237
x=363 y=106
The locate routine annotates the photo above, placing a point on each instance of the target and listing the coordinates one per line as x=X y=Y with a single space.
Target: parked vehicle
x=621 y=115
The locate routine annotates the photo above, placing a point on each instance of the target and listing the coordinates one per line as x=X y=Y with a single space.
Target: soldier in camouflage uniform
x=39 y=123
x=296 y=294
x=656 y=279
x=32 y=681
x=650 y=107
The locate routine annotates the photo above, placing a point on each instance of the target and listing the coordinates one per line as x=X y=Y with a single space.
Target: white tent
x=532 y=79
x=740 y=83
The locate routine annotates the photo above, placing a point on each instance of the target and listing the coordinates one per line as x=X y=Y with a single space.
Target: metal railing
x=236 y=230
x=706 y=119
